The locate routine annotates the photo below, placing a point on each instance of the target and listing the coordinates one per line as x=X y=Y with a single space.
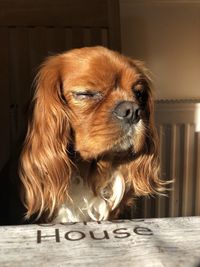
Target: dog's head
x=97 y=104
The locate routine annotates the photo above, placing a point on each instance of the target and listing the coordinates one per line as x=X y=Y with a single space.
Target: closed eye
x=84 y=95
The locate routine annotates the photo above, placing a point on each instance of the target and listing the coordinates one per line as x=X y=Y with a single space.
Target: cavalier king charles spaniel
x=91 y=145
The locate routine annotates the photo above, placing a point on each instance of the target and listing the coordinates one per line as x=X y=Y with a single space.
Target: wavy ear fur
x=144 y=171
x=45 y=167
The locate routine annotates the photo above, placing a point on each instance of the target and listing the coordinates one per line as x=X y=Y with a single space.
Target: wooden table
x=169 y=242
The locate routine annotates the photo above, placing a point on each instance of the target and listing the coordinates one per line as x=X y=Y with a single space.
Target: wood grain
x=139 y=243
x=4 y=98
x=74 y=13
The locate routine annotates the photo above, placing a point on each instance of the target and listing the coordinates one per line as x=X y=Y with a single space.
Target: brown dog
x=91 y=144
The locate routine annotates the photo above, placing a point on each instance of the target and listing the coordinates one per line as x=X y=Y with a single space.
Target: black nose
x=127 y=111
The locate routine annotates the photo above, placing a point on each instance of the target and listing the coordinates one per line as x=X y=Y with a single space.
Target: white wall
x=166 y=35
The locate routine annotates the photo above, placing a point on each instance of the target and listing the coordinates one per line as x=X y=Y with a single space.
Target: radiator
x=178 y=125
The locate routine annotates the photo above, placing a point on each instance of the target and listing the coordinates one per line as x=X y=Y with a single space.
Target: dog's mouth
x=124 y=142
x=129 y=137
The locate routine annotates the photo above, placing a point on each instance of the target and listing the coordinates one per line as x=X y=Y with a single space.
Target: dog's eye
x=139 y=94
x=82 y=95
x=140 y=90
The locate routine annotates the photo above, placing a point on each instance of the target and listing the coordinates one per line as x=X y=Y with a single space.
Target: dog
x=91 y=145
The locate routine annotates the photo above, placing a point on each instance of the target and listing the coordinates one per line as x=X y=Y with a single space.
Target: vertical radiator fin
x=173 y=208
x=197 y=184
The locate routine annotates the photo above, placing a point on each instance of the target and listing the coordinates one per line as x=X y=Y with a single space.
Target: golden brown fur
x=70 y=132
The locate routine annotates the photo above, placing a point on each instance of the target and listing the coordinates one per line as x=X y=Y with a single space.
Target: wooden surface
x=57 y=13
x=139 y=243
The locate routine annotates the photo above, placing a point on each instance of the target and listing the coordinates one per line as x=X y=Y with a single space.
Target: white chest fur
x=85 y=206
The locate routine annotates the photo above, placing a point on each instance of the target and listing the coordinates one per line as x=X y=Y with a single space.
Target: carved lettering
x=121 y=233
x=142 y=231
x=74 y=235
x=105 y=236
x=40 y=236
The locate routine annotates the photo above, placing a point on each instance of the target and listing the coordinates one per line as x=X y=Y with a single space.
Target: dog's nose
x=127 y=111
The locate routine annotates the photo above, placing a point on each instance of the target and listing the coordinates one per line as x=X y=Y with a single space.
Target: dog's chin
x=123 y=144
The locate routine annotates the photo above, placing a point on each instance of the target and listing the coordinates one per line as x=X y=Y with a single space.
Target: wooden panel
x=96 y=36
x=77 y=37
x=104 y=34
x=68 y=38
x=138 y=243
x=87 y=36
x=37 y=46
x=73 y=13
x=19 y=80
x=114 y=25
x=55 y=40
x=4 y=98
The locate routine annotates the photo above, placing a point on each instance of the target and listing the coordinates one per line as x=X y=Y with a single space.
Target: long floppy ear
x=144 y=170
x=44 y=166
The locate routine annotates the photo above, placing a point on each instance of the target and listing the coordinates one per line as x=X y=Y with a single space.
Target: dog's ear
x=44 y=166
x=143 y=172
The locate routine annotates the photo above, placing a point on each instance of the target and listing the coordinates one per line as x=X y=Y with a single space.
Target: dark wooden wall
x=29 y=32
